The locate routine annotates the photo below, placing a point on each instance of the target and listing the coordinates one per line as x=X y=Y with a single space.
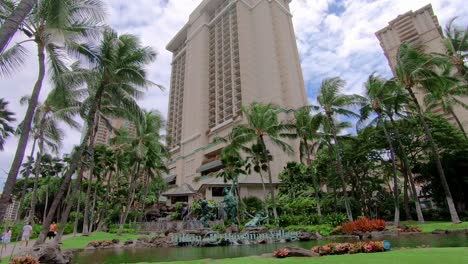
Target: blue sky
x=334 y=38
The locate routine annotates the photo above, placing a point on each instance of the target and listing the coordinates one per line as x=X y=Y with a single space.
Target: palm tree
x=447 y=96
x=60 y=106
x=332 y=102
x=456 y=44
x=416 y=70
x=116 y=77
x=6 y=117
x=263 y=123
x=12 y=22
x=54 y=25
x=377 y=97
x=306 y=128
x=143 y=146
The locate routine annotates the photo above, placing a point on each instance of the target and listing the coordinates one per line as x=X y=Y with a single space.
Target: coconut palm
x=263 y=124
x=115 y=78
x=53 y=26
x=11 y=23
x=332 y=102
x=6 y=118
x=416 y=70
x=447 y=96
x=377 y=97
x=306 y=127
x=456 y=45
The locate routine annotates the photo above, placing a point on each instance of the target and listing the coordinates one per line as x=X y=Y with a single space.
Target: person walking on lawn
x=27 y=231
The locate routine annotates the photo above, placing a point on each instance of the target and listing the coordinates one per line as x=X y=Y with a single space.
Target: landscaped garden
x=379 y=177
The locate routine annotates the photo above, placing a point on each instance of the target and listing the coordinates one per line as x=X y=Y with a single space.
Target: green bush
x=253 y=204
x=324 y=229
x=300 y=219
x=220 y=228
x=335 y=219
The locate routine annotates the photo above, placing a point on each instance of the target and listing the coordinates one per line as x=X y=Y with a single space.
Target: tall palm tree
x=115 y=78
x=377 y=97
x=416 y=70
x=305 y=127
x=456 y=45
x=6 y=118
x=11 y=23
x=332 y=102
x=263 y=124
x=53 y=26
x=447 y=96
x=61 y=105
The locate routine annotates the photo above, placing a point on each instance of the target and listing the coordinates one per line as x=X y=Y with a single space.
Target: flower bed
x=349 y=248
x=281 y=253
x=363 y=225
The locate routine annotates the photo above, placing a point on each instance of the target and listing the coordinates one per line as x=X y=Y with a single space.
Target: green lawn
x=431 y=226
x=413 y=256
x=82 y=241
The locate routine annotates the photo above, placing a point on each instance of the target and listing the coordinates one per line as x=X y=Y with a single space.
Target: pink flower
x=368 y=248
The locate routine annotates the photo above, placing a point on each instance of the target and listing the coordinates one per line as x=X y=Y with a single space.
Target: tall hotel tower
x=419 y=28
x=230 y=53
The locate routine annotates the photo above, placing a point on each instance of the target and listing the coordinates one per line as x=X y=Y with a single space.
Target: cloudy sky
x=335 y=38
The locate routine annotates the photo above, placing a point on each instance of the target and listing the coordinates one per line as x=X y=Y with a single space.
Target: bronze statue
x=206 y=212
x=256 y=220
x=230 y=204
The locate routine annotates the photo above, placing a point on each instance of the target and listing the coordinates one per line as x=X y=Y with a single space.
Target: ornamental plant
x=24 y=260
x=281 y=253
x=349 y=248
x=363 y=225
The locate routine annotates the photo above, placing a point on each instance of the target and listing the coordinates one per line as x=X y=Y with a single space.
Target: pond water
x=193 y=253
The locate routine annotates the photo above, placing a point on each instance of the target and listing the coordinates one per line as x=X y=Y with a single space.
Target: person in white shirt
x=6 y=237
x=27 y=231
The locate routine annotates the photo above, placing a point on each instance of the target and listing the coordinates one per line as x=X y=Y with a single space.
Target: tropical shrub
x=252 y=204
x=335 y=219
x=220 y=228
x=298 y=219
x=324 y=230
x=363 y=225
x=281 y=253
x=24 y=260
x=349 y=248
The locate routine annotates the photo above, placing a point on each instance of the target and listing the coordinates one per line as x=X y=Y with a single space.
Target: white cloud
x=331 y=42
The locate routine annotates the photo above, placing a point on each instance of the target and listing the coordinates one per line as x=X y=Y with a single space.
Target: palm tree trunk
x=406 y=198
x=460 y=125
x=13 y=21
x=264 y=195
x=339 y=167
x=145 y=194
x=86 y=204
x=131 y=198
x=270 y=179
x=37 y=170
x=91 y=220
x=396 y=219
x=106 y=197
x=409 y=174
x=26 y=177
x=316 y=185
x=440 y=169
x=89 y=137
x=76 y=191
x=25 y=131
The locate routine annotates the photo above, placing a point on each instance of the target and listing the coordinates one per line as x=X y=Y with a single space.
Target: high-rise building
x=106 y=128
x=419 y=28
x=230 y=53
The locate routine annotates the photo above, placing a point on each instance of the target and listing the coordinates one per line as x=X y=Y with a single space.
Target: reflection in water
x=192 y=253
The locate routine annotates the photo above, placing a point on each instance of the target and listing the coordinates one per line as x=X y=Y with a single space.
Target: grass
x=431 y=226
x=82 y=241
x=413 y=256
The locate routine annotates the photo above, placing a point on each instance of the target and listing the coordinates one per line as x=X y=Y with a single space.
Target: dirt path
x=17 y=247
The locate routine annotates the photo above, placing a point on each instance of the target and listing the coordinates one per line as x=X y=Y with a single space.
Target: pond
x=193 y=253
